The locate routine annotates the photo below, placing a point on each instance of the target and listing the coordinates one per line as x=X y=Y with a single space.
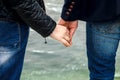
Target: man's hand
x=71 y=26
x=61 y=33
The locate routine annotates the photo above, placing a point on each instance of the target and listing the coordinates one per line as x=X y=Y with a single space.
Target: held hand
x=71 y=25
x=61 y=34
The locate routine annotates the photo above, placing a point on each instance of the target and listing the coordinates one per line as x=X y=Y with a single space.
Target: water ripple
x=43 y=51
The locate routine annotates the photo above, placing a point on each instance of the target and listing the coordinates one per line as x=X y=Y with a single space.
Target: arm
x=69 y=16
x=32 y=14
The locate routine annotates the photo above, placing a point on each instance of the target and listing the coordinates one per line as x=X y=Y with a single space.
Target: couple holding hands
x=64 y=31
x=102 y=32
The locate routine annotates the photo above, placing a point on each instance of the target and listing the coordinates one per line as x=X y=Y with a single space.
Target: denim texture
x=102 y=41
x=13 y=41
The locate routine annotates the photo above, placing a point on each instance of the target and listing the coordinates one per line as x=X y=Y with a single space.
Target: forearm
x=32 y=14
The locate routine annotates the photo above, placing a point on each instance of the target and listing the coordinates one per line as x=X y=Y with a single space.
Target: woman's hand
x=61 y=33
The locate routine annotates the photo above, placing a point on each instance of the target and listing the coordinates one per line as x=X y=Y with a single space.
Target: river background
x=53 y=61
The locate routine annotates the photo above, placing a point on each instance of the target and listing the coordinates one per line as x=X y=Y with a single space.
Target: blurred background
x=53 y=61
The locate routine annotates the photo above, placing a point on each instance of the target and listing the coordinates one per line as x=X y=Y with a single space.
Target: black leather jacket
x=30 y=12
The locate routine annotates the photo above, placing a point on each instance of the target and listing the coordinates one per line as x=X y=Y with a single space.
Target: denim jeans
x=102 y=43
x=13 y=40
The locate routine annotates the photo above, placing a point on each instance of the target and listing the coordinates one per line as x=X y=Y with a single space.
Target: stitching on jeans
x=19 y=32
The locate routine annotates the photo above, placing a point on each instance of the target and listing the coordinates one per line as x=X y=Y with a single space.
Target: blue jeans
x=102 y=43
x=13 y=40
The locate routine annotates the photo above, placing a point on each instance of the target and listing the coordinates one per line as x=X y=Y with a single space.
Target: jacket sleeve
x=33 y=14
x=70 y=11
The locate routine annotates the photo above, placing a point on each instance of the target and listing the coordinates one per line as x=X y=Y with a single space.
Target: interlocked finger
x=65 y=42
x=66 y=38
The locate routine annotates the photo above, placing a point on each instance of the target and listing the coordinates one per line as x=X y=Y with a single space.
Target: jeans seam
x=19 y=34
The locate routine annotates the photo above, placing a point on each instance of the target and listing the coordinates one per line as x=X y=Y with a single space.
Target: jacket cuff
x=69 y=12
x=51 y=26
x=71 y=17
x=64 y=15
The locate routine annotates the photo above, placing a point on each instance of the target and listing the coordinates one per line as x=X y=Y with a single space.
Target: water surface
x=53 y=61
